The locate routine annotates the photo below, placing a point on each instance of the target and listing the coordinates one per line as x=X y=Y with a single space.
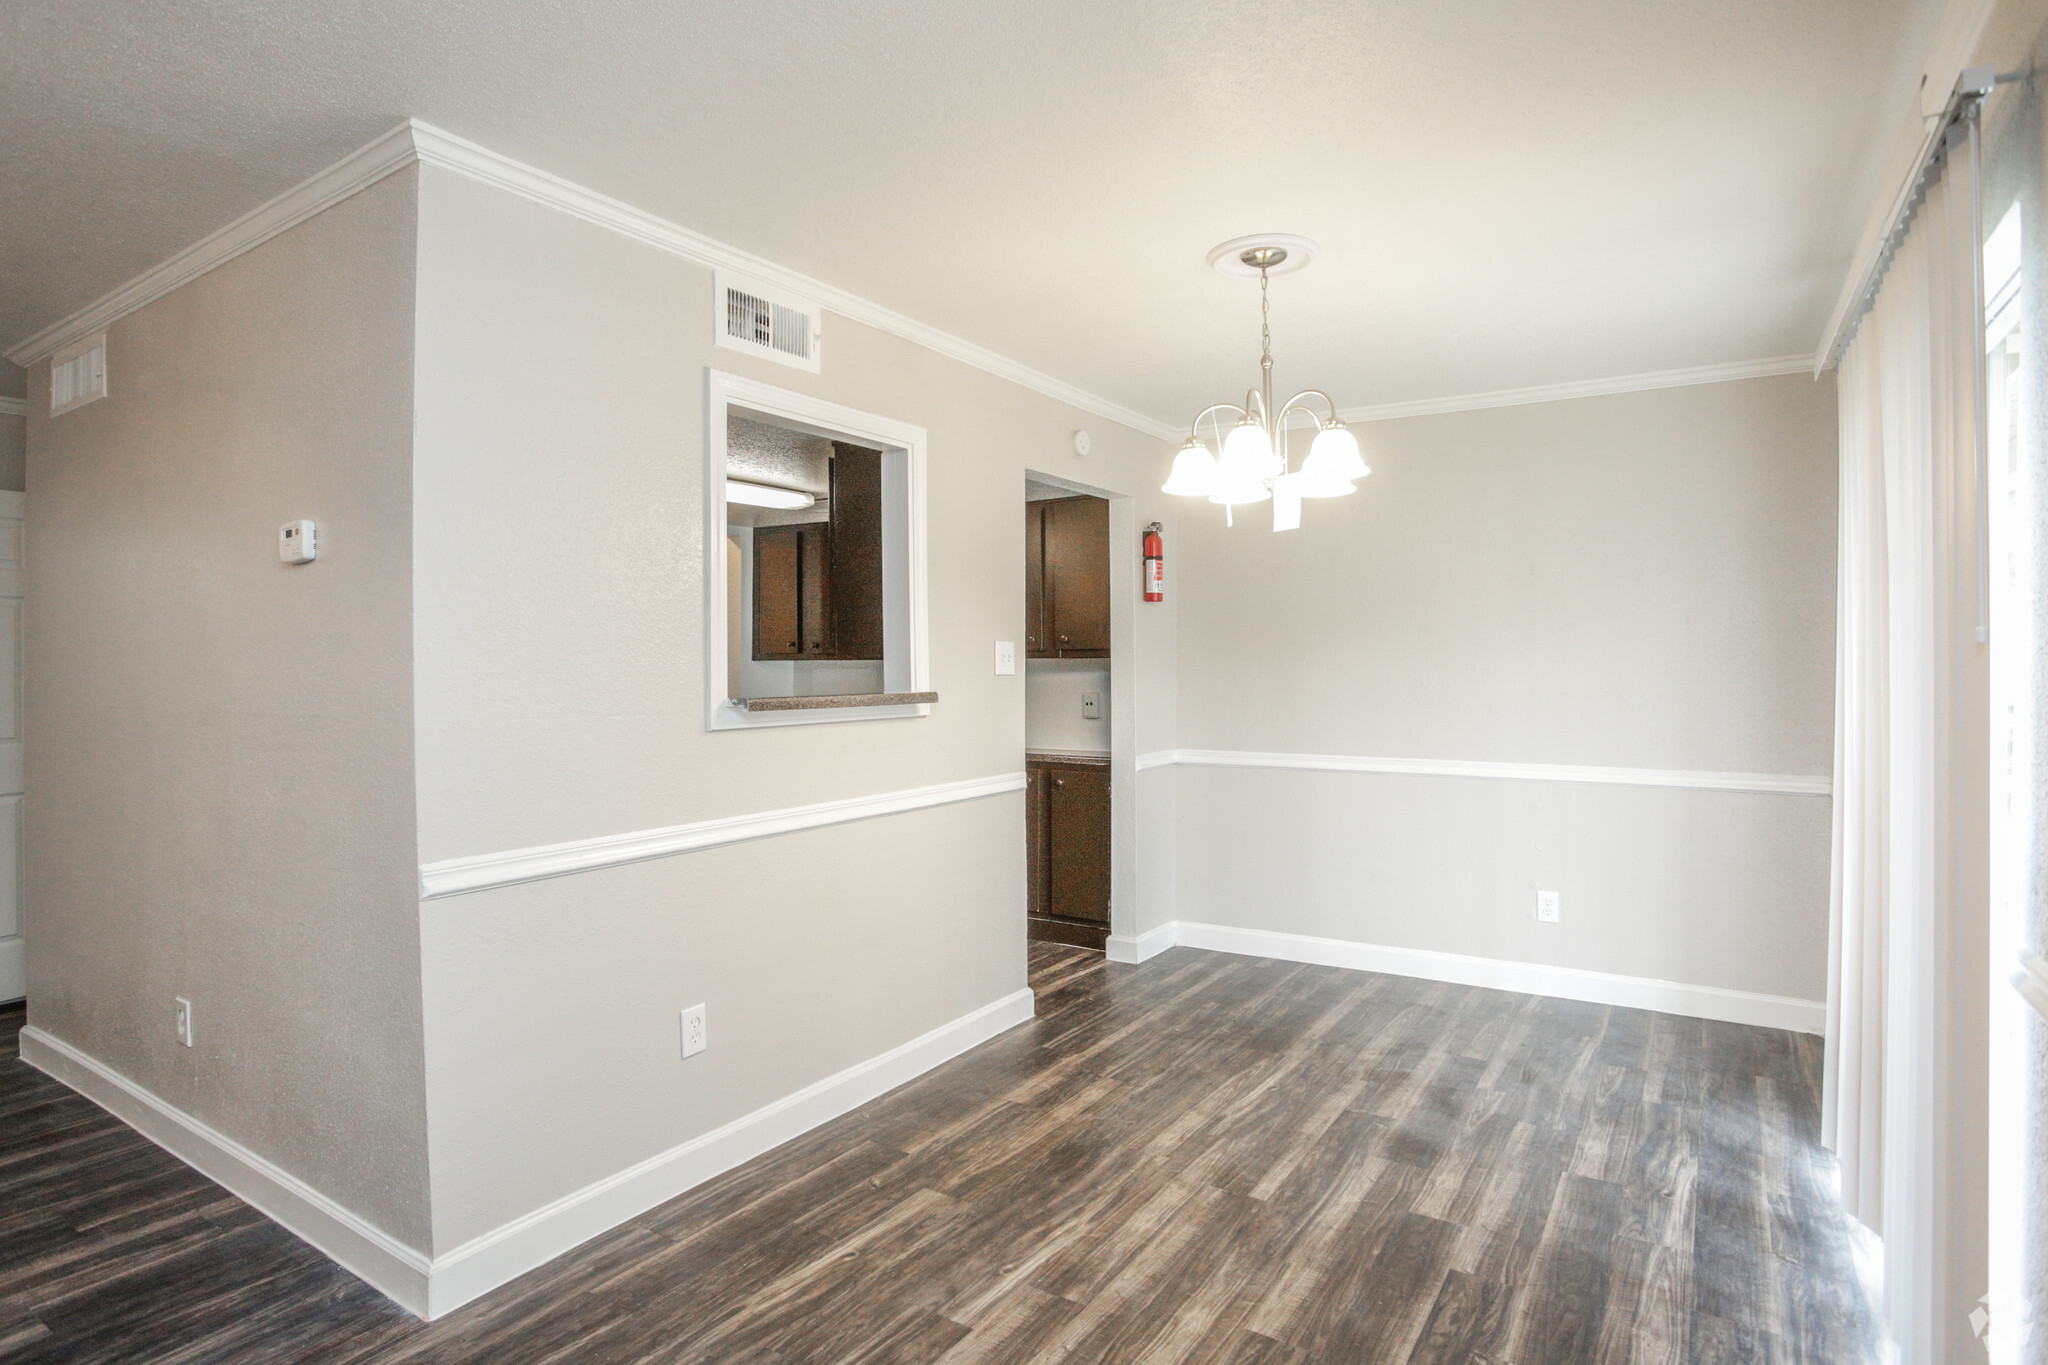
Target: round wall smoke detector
x=1280 y=253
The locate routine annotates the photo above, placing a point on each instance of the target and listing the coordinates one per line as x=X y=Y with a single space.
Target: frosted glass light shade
x=1321 y=475
x=1337 y=449
x=1241 y=473
x=761 y=495
x=1194 y=472
x=1248 y=442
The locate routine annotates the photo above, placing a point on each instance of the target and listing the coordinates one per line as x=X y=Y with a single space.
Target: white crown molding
x=355 y=172
x=431 y=1288
x=398 y=1271
x=1528 y=978
x=444 y=149
x=503 y=1254
x=415 y=141
x=458 y=876
x=13 y=407
x=1777 y=784
x=1584 y=388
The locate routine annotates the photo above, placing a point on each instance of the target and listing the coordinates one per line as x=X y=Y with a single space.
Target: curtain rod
x=1964 y=102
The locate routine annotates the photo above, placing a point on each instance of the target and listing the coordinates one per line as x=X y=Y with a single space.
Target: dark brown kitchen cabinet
x=1066 y=825
x=818 y=584
x=790 y=602
x=1066 y=573
x=856 y=552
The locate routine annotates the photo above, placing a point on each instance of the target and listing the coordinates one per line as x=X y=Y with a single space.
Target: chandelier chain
x=1265 y=323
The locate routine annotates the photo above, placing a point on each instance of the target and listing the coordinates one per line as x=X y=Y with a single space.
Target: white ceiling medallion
x=1291 y=251
x=1254 y=463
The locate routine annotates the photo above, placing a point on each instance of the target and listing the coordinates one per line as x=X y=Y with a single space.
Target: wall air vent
x=78 y=374
x=762 y=321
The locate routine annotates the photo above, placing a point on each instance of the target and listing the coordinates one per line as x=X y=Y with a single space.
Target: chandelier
x=1255 y=463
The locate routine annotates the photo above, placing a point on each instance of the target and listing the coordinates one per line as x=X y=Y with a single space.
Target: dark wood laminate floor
x=1207 y=1159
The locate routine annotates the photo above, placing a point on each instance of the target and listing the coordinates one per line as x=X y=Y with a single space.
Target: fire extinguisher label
x=1155 y=577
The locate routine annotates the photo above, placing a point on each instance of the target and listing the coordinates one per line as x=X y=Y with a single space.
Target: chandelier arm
x=1195 y=427
x=1308 y=393
x=1294 y=404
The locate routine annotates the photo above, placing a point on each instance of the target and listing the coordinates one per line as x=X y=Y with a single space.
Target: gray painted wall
x=558 y=628
x=220 y=746
x=1642 y=580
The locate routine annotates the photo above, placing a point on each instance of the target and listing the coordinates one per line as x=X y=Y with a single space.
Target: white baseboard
x=432 y=1288
x=1146 y=945
x=400 y=1272
x=479 y=1266
x=1529 y=978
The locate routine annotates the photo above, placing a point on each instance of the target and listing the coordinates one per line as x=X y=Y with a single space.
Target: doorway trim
x=1124 y=577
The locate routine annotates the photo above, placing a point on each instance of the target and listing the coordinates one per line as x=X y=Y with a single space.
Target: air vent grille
x=768 y=323
x=78 y=376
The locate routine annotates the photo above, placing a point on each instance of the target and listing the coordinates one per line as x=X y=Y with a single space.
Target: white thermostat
x=295 y=542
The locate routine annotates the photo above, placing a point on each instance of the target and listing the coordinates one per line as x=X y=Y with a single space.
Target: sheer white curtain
x=1909 y=721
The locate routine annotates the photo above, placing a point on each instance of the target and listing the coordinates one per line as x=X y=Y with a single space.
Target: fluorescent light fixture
x=761 y=495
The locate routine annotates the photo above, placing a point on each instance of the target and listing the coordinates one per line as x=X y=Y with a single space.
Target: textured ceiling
x=1507 y=193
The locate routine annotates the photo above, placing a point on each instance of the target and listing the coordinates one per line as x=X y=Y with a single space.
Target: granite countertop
x=817 y=703
x=1067 y=756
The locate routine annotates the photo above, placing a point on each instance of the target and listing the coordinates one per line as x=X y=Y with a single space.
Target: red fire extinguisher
x=1155 y=564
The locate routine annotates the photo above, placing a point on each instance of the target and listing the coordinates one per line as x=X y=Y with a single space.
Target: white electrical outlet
x=1091 y=706
x=693 y=1030
x=1546 y=906
x=182 y=1021
x=1006 y=656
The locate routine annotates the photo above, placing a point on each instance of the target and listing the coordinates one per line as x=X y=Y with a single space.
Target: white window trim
x=906 y=644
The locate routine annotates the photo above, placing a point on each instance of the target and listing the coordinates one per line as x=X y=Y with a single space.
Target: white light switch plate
x=181 y=1020
x=1547 y=906
x=1006 y=656
x=1091 y=706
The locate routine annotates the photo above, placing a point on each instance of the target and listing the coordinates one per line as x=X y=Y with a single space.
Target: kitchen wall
x=1053 y=691
x=557 y=632
x=1640 y=581
x=221 y=751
